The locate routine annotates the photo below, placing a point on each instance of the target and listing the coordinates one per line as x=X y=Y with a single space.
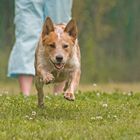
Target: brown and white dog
x=57 y=59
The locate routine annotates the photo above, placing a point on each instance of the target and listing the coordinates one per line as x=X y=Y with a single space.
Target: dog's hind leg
x=39 y=86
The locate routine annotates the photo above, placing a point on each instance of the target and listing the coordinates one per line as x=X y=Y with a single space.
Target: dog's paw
x=48 y=78
x=69 y=96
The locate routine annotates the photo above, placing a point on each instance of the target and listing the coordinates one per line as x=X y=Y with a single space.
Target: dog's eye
x=65 y=46
x=52 y=45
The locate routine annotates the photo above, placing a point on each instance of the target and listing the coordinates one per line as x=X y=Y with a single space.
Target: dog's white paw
x=48 y=78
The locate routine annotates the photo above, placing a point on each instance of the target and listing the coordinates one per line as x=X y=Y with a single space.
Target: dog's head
x=59 y=42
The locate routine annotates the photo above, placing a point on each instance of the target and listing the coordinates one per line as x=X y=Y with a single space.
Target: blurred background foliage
x=109 y=37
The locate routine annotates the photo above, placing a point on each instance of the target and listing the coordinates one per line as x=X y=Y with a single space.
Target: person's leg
x=28 y=24
x=58 y=10
x=25 y=83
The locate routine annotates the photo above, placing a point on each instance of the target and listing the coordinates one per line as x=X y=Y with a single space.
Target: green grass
x=93 y=116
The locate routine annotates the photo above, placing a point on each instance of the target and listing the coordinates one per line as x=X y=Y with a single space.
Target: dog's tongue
x=59 y=66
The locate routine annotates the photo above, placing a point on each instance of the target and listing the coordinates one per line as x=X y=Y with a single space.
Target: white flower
x=104 y=105
x=30 y=118
x=99 y=117
x=130 y=94
x=94 y=84
x=92 y=118
x=26 y=116
x=98 y=94
x=33 y=113
x=115 y=116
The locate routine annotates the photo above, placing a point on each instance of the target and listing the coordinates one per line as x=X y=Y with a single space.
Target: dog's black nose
x=59 y=58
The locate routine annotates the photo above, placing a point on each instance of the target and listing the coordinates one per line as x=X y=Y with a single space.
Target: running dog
x=57 y=59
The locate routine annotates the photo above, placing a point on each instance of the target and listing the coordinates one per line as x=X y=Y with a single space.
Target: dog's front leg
x=43 y=77
x=39 y=86
x=73 y=83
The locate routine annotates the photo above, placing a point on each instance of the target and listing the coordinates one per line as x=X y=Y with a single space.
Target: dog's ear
x=71 y=28
x=47 y=27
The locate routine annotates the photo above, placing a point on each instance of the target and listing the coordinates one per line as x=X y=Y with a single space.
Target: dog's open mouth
x=58 y=66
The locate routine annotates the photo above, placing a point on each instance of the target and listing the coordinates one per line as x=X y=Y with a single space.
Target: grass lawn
x=93 y=116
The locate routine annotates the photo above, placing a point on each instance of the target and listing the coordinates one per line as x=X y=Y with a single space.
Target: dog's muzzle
x=58 y=65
